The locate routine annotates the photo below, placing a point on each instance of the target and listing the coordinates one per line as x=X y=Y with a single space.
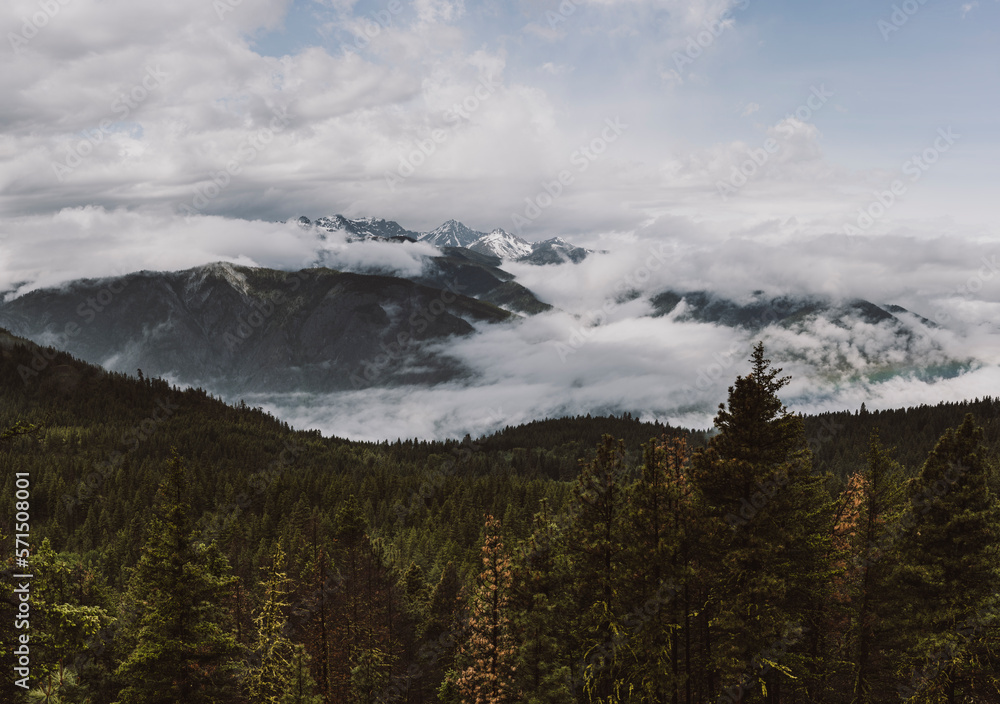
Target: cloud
x=41 y=251
x=968 y=7
x=555 y=69
x=544 y=32
x=406 y=259
x=749 y=109
x=429 y=11
x=600 y=352
x=655 y=368
x=48 y=250
x=88 y=132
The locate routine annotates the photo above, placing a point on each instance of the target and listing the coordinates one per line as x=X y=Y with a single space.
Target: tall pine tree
x=488 y=655
x=769 y=570
x=948 y=574
x=181 y=647
x=873 y=502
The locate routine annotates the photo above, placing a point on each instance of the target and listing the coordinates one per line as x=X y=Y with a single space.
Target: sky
x=845 y=148
x=119 y=104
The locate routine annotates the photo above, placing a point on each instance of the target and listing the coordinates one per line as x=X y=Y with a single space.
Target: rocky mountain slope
x=236 y=328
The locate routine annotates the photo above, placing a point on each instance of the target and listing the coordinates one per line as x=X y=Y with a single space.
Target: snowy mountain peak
x=363 y=228
x=501 y=243
x=452 y=234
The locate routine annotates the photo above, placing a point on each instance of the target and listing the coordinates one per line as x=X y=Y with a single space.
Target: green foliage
x=270 y=674
x=68 y=611
x=181 y=648
x=951 y=558
x=870 y=508
x=777 y=561
x=301 y=686
x=769 y=544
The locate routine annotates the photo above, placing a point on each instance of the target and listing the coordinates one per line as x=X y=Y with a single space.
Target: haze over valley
x=364 y=329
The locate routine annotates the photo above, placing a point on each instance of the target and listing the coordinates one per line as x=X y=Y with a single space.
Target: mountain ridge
x=240 y=328
x=452 y=233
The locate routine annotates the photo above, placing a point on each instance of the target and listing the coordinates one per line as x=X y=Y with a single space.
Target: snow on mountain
x=452 y=234
x=362 y=228
x=501 y=243
x=498 y=243
x=555 y=251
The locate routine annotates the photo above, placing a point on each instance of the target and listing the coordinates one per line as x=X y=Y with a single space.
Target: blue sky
x=941 y=67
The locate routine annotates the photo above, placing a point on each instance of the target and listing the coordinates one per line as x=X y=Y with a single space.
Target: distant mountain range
x=498 y=243
x=837 y=337
x=235 y=329
x=354 y=319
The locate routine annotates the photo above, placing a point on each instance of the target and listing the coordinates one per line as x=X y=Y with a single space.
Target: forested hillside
x=187 y=551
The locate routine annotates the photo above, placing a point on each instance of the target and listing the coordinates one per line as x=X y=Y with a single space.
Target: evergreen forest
x=185 y=551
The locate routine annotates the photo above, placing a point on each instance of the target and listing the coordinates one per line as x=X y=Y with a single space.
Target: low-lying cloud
x=601 y=350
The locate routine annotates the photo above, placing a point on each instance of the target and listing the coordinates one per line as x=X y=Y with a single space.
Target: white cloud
x=48 y=250
x=553 y=69
x=429 y=11
x=598 y=351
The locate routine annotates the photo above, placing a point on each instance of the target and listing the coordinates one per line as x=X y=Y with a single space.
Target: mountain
x=235 y=328
x=502 y=244
x=452 y=234
x=363 y=229
x=498 y=243
x=478 y=275
x=843 y=339
x=475 y=273
x=758 y=310
x=555 y=251
x=753 y=313
x=106 y=453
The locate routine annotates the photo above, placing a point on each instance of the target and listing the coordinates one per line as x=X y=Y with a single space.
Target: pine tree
x=444 y=604
x=181 y=649
x=488 y=655
x=544 y=615
x=768 y=553
x=873 y=503
x=321 y=586
x=948 y=573
x=596 y=549
x=413 y=585
x=301 y=686
x=64 y=619
x=662 y=520
x=268 y=677
x=442 y=630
